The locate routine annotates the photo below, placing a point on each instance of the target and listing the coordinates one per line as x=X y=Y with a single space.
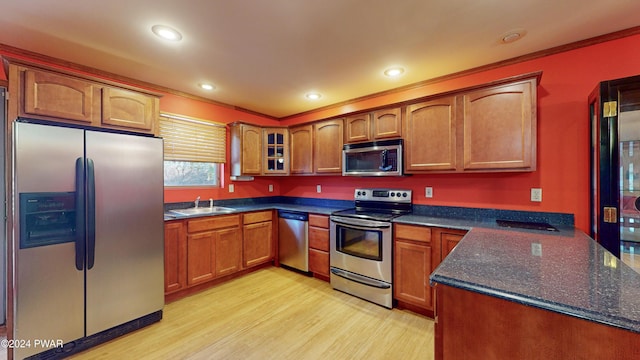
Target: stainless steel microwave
x=377 y=158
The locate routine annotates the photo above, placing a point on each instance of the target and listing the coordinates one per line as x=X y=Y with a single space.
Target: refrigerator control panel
x=47 y=218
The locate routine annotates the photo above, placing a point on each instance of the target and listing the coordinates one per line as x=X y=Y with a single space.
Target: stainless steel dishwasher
x=293 y=239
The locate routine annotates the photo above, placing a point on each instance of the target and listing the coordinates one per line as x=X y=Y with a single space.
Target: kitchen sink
x=203 y=210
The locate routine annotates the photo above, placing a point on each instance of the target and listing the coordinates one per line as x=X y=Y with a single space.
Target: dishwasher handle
x=293 y=215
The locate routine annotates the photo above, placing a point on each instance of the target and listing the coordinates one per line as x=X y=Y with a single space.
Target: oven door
x=361 y=246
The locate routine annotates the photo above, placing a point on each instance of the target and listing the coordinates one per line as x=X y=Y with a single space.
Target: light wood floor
x=275 y=314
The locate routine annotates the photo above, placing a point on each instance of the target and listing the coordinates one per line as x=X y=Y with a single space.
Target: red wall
x=185 y=106
x=563 y=138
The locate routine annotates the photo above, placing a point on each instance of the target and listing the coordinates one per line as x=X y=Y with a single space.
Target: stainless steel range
x=361 y=256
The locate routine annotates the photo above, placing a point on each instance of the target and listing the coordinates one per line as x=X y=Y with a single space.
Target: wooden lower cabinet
x=200 y=257
x=228 y=254
x=448 y=238
x=175 y=257
x=257 y=238
x=199 y=250
x=418 y=250
x=319 y=245
x=413 y=262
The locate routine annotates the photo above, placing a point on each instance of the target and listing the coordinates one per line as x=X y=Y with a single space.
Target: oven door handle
x=361 y=224
x=360 y=279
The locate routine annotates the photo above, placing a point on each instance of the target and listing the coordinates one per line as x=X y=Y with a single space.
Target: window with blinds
x=193 y=150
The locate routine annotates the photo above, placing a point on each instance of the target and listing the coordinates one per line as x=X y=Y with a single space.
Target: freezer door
x=126 y=279
x=48 y=289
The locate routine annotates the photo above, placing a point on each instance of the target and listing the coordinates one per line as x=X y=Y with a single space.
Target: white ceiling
x=264 y=55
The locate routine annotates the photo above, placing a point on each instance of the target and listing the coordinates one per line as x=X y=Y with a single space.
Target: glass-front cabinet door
x=614 y=108
x=276 y=151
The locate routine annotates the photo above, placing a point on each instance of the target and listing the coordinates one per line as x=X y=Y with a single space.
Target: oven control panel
x=391 y=195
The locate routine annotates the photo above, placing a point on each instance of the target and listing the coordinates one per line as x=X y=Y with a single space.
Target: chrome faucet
x=197 y=201
x=210 y=203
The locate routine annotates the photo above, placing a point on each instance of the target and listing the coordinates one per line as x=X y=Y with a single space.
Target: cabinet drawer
x=416 y=233
x=257 y=217
x=318 y=238
x=213 y=222
x=319 y=262
x=319 y=221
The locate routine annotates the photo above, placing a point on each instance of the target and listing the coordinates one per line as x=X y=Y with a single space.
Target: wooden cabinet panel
x=327 y=151
x=412 y=268
x=357 y=128
x=319 y=238
x=319 y=221
x=212 y=222
x=301 y=149
x=128 y=109
x=175 y=257
x=246 y=150
x=413 y=232
x=257 y=243
x=228 y=251
x=56 y=96
x=387 y=123
x=50 y=95
x=275 y=153
x=319 y=262
x=319 y=245
x=448 y=240
x=200 y=257
x=254 y=217
x=500 y=127
x=430 y=139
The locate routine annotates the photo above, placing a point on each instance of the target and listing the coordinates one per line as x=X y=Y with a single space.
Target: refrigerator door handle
x=80 y=218
x=91 y=214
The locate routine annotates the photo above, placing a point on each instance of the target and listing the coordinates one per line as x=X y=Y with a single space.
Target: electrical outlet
x=232 y=188
x=270 y=187
x=318 y=188
x=536 y=194
x=428 y=192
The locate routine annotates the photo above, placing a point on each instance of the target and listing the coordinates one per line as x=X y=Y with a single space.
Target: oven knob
x=404 y=194
x=393 y=194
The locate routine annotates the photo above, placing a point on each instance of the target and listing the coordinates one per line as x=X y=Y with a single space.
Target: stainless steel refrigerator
x=88 y=233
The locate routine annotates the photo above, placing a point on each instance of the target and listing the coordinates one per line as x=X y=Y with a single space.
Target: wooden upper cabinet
x=357 y=128
x=301 y=149
x=500 y=127
x=387 y=123
x=380 y=124
x=54 y=96
x=246 y=150
x=430 y=138
x=275 y=151
x=327 y=151
x=61 y=97
x=128 y=109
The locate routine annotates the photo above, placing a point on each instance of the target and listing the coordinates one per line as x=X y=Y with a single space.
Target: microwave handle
x=384 y=155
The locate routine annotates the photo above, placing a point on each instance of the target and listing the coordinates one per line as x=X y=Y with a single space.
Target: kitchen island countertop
x=566 y=271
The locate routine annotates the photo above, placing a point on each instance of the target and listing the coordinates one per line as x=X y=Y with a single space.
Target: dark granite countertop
x=309 y=206
x=565 y=272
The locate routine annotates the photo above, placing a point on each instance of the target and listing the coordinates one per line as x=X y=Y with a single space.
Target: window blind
x=191 y=139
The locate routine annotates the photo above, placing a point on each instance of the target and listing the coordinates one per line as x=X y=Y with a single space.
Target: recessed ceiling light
x=394 y=71
x=313 y=96
x=207 y=86
x=512 y=36
x=166 y=32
